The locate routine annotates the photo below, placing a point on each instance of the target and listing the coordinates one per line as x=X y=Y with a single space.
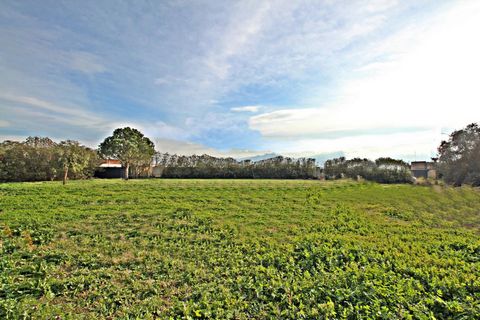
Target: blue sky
x=361 y=78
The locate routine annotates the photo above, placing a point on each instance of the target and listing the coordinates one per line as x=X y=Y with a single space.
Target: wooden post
x=125 y=176
x=65 y=174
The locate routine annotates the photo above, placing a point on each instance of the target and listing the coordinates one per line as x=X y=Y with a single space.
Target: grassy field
x=238 y=249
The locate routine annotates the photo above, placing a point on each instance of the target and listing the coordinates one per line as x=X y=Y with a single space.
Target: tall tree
x=129 y=146
x=41 y=164
x=39 y=159
x=383 y=170
x=74 y=158
x=459 y=157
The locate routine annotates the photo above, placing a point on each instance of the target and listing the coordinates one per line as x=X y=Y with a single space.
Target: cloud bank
x=246 y=109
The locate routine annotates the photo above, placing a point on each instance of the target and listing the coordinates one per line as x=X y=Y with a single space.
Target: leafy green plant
x=238 y=249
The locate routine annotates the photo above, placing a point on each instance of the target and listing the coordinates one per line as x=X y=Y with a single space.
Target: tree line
x=383 y=170
x=205 y=166
x=42 y=159
x=458 y=162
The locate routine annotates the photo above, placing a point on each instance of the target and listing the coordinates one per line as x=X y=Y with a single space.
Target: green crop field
x=238 y=249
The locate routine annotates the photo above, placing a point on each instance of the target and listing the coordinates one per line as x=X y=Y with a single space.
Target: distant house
x=423 y=169
x=110 y=168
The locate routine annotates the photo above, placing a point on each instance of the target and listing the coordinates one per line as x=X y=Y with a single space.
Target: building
x=110 y=168
x=423 y=169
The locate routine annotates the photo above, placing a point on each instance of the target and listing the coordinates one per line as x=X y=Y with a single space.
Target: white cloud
x=380 y=5
x=69 y=113
x=33 y=116
x=246 y=109
x=400 y=145
x=428 y=83
x=224 y=54
x=187 y=148
x=12 y=137
x=86 y=62
x=160 y=81
x=245 y=25
x=162 y=129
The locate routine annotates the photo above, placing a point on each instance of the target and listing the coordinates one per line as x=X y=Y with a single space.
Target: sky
x=242 y=78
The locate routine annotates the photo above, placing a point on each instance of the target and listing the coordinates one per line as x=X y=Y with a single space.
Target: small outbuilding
x=423 y=169
x=110 y=169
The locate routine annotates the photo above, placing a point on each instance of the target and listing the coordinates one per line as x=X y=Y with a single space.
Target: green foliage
x=76 y=159
x=41 y=159
x=206 y=166
x=238 y=249
x=459 y=157
x=383 y=170
x=129 y=146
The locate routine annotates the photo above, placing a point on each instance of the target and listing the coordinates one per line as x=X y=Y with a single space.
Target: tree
x=75 y=158
x=205 y=166
x=14 y=159
x=459 y=157
x=383 y=170
x=391 y=163
x=335 y=168
x=129 y=146
x=31 y=160
x=40 y=159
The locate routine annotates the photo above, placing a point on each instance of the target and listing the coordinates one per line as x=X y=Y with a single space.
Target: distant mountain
x=261 y=157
